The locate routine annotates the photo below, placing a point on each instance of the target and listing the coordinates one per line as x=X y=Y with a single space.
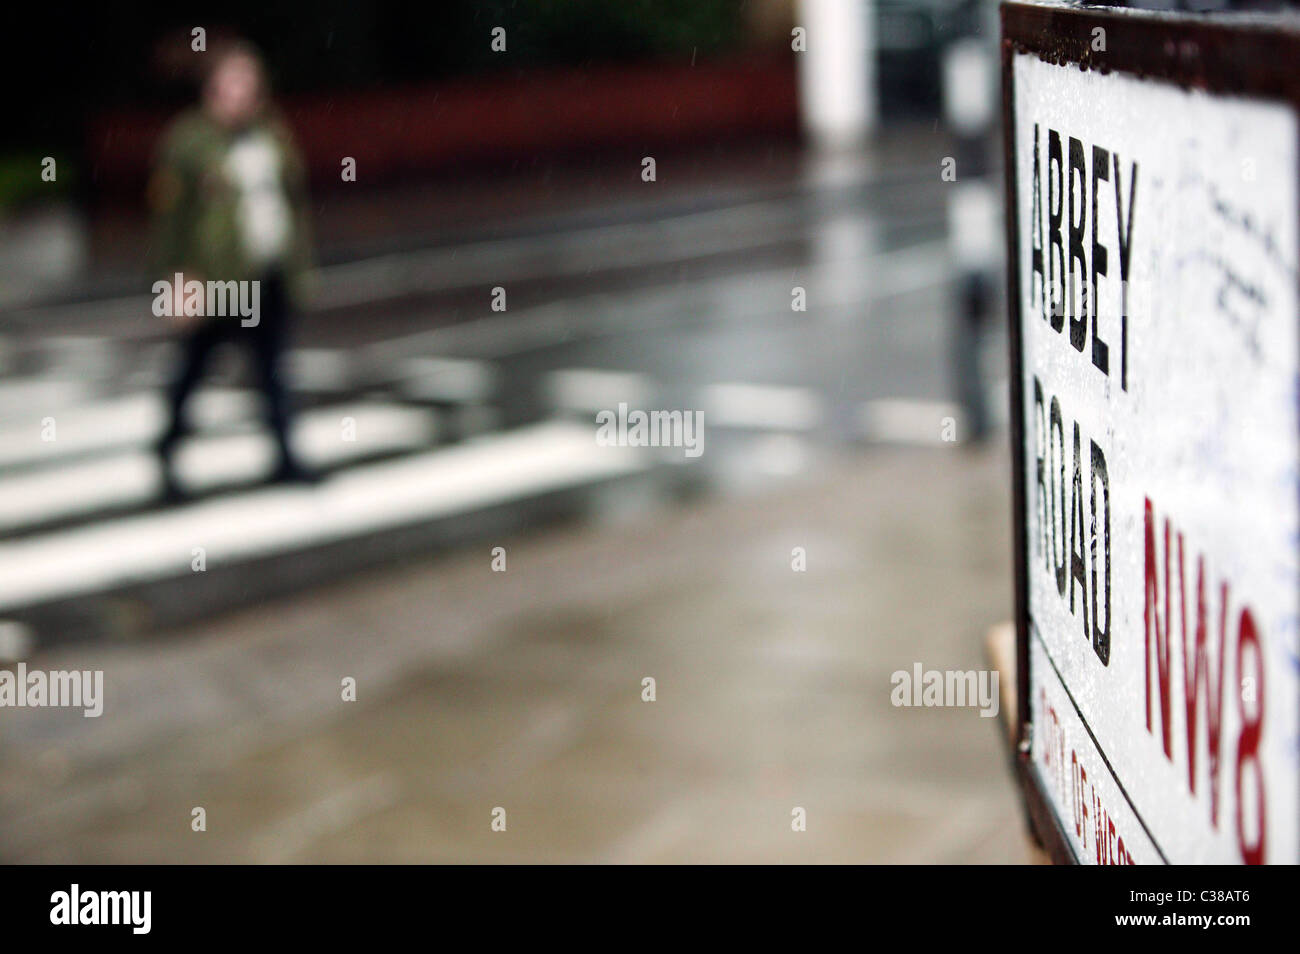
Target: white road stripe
x=901 y=421
x=482 y=472
x=588 y=390
x=38 y=396
x=761 y=407
x=319 y=370
x=125 y=421
x=132 y=477
x=452 y=380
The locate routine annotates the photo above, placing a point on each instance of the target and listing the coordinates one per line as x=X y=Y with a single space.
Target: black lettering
x=1125 y=247
x=1100 y=634
x=1077 y=302
x=1037 y=280
x=1056 y=246
x=1100 y=173
x=1057 y=430
x=1078 y=565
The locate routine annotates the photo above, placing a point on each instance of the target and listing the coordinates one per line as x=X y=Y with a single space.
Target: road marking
x=47 y=394
x=125 y=421
x=482 y=472
x=900 y=421
x=761 y=407
x=587 y=390
x=132 y=477
x=319 y=370
x=448 y=380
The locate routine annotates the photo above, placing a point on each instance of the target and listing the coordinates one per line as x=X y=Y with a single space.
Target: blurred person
x=229 y=200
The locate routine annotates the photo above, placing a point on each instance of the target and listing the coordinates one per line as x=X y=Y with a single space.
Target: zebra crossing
x=80 y=487
x=412 y=443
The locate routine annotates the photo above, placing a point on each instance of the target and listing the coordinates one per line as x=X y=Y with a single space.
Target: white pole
x=837 y=71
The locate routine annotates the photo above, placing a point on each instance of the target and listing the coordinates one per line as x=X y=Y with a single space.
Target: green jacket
x=195 y=204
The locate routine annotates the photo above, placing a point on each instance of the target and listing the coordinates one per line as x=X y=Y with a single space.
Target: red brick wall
x=413 y=130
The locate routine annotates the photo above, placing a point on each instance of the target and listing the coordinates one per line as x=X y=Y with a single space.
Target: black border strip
x=1248 y=55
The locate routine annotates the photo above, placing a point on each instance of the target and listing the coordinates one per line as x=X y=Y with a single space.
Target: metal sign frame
x=1251 y=56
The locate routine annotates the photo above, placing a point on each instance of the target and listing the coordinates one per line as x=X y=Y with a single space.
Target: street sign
x=1153 y=195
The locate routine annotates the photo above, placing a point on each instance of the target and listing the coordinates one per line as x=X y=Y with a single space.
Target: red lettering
x=1151 y=620
x=1248 y=742
x=1203 y=681
x=1196 y=675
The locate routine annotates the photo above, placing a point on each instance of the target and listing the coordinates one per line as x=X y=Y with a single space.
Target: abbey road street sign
x=1153 y=206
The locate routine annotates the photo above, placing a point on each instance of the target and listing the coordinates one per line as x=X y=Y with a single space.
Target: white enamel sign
x=1156 y=258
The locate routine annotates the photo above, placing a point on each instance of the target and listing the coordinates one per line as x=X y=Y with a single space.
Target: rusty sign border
x=1248 y=55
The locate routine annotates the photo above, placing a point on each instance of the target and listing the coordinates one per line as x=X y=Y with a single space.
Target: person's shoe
x=172 y=493
x=165 y=448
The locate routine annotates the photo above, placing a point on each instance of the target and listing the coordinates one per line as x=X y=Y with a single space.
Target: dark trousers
x=265 y=341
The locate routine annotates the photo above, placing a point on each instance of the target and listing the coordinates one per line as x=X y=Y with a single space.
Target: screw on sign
x=1155 y=347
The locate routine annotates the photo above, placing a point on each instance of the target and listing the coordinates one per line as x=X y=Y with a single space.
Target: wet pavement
x=522 y=690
